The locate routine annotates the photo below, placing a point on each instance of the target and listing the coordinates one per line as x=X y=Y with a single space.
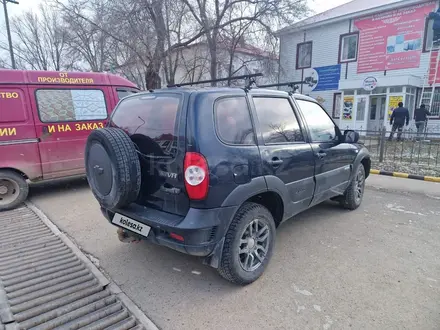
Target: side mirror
x=351 y=136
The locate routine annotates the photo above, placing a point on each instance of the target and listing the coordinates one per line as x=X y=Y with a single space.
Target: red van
x=45 y=118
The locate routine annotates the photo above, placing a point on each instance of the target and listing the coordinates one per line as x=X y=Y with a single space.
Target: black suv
x=213 y=172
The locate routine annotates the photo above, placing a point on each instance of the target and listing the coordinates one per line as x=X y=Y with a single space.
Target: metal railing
x=422 y=150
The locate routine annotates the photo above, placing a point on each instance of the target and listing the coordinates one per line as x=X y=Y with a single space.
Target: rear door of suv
x=153 y=122
x=283 y=147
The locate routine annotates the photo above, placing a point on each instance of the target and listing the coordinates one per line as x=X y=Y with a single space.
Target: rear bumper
x=201 y=229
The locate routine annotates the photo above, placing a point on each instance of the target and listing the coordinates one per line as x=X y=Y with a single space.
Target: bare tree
x=85 y=40
x=214 y=15
x=40 y=40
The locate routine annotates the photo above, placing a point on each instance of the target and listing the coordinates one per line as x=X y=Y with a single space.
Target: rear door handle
x=275 y=162
x=321 y=154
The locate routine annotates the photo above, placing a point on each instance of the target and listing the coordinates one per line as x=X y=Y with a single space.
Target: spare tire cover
x=112 y=167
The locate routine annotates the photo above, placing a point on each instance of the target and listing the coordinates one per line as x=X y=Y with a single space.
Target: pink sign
x=392 y=40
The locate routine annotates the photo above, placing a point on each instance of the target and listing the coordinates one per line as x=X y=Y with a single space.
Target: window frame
x=334 y=103
x=337 y=129
x=425 y=36
x=341 y=37
x=420 y=98
x=295 y=113
x=70 y=89
x=217 y=133
x=297 y=55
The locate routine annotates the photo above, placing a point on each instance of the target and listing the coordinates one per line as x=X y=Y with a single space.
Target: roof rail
x=292 y=84
x=250 y=80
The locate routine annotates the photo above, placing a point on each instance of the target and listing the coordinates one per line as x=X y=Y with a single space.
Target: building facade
x=363 y=58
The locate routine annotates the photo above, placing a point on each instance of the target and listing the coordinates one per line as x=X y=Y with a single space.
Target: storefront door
x=376 y=113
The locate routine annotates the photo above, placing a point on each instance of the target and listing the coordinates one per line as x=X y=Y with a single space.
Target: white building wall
x=325 y=52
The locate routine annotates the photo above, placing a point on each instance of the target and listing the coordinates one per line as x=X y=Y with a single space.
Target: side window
x=125 y=92
x=321 y=127
x=58 y=105
x=234 y=125
x=277 y=120
x=12 y=101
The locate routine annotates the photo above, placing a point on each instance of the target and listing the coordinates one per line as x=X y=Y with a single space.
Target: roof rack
x=292 y=84
x=249 y=78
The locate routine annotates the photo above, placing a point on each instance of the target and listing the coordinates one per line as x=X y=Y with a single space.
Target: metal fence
x=422 y=150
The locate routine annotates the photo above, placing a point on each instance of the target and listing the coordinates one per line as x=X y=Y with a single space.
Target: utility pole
x=8 y=29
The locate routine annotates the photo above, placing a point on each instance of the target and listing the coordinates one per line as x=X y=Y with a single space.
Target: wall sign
x=324 y=78
x=392 y=40
x=369 y=84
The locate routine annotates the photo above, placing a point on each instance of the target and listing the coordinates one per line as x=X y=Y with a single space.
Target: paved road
x=375 y=268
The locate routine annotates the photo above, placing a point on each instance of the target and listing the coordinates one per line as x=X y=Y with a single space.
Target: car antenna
x=294 y=85
x=249 y=78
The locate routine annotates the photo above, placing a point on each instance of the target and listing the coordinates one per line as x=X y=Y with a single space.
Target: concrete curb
x=406 y=176
x=113 y=287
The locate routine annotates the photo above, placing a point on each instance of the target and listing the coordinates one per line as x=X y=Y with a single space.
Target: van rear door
x=64 y=117
x=153 y=122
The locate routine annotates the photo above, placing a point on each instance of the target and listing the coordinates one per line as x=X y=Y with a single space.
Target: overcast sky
x=317 y=5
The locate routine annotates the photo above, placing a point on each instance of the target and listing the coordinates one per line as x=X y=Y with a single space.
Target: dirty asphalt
x=374 y=268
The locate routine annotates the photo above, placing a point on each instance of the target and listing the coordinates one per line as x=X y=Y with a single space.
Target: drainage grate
x=44 y=285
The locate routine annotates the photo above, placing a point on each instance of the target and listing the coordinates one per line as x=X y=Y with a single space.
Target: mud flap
x=214 y=258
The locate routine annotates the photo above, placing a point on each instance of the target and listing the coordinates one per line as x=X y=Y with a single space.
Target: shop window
x=349 y=92
x=380 y=90
x=348 y=47
x=429 y=35
x=304 y=55
x=396 y=89
x=426 y=99
x=337 y=99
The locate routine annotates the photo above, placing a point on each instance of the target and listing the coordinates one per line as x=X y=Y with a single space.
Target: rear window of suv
x=233 y=121
x=150 y=120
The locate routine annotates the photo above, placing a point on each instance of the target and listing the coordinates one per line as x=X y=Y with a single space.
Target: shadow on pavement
x=56 y=186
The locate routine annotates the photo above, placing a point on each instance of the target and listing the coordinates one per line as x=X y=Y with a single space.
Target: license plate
x=130 y=224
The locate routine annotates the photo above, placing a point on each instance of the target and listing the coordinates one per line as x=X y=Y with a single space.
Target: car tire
x=251 y=223
x=13 y=189
x=112 y=167
x=354 y=194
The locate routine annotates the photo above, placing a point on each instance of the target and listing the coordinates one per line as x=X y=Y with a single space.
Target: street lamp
x=8 y=29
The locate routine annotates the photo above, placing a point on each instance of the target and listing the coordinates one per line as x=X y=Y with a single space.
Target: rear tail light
x=196 y=176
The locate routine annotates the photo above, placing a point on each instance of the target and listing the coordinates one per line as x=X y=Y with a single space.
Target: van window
x=150 y=120
x=125 y=92
x=12 y=105
x=58 y=105
x=233 y=121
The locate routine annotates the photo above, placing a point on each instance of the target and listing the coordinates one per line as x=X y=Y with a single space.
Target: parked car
x=45 y=118
x=213 y=172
